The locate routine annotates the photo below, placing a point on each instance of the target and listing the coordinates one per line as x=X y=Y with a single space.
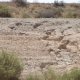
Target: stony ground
x=42 y=43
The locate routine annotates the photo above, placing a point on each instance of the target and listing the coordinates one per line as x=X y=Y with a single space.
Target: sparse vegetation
x=40 y=10
x=10 y=67
x=74 y=74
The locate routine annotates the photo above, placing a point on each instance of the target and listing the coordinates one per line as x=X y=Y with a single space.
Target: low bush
x=10 y=67
x=4 y=11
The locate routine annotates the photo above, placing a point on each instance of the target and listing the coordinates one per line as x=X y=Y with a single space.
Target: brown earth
x=42 y=43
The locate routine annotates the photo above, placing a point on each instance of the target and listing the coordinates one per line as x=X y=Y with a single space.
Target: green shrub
x=10 y=67
x=4 y=11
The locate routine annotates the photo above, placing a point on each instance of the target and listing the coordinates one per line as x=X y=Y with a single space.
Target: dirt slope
x=42 y=43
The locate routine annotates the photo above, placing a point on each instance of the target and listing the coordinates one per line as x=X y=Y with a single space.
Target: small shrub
x=4 y=11
x=10 y=67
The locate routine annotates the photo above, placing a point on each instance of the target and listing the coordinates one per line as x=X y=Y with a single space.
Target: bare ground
x=42 y=43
